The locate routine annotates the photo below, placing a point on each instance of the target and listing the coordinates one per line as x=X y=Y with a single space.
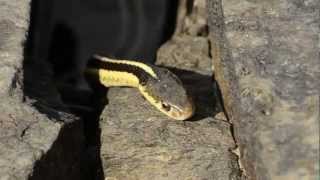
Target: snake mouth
x=182 y=113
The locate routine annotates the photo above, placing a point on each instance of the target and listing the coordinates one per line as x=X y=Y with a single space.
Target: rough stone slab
x=18 y=149
x=138 y=142
x=34 y=141
x=35 y=145
x=27 y=137
x=266 y=59
x=14 y=22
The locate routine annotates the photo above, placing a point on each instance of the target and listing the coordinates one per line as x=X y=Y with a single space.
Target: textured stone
x=138 y=142
x=266 y=59
x=186 y=52
x=192 y=18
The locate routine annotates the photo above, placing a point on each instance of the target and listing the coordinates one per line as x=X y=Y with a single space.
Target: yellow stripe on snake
x=159 y=86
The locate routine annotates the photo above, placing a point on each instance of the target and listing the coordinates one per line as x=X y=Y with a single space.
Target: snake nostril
x=166 y=106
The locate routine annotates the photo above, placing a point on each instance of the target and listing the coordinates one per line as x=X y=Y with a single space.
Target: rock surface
x=266 y=59
x=186 y=52
x=33 y=144
x=138 y=142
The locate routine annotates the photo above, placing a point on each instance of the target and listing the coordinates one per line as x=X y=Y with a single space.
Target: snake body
x=159 y=86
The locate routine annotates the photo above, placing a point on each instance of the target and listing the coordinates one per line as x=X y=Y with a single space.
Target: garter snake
x=158 y=85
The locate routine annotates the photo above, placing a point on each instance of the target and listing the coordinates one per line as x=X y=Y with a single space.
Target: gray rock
x=34 y=147
x=192 y=18
x=266 y=59
x=186 y=52
x=138 y=142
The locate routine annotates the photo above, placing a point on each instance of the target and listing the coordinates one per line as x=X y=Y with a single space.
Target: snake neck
x=158 y=85
x=112 y=72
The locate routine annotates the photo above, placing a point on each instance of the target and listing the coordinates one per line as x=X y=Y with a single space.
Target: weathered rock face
x=13 y=27
x=186 y=52
x=32 y=144
x=266 y=59
x=138 y=142
x=192 y=18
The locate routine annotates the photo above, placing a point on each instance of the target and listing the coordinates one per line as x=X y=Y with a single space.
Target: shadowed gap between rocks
x=48 y=51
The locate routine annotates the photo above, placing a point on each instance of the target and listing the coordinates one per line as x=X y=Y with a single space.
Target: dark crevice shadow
x=62 y=51
x=37 y=76
x=51 y=52
x=189 y=7
x=203 y=90
x=89 y=106
x=85 y=104
x=92 y=165
x=75 y=154
x=170 y=25
x=58 y=163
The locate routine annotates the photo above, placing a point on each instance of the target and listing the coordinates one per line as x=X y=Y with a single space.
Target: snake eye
x=166 y=106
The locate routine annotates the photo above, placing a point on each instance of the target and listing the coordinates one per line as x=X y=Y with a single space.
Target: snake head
x=167 y=93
